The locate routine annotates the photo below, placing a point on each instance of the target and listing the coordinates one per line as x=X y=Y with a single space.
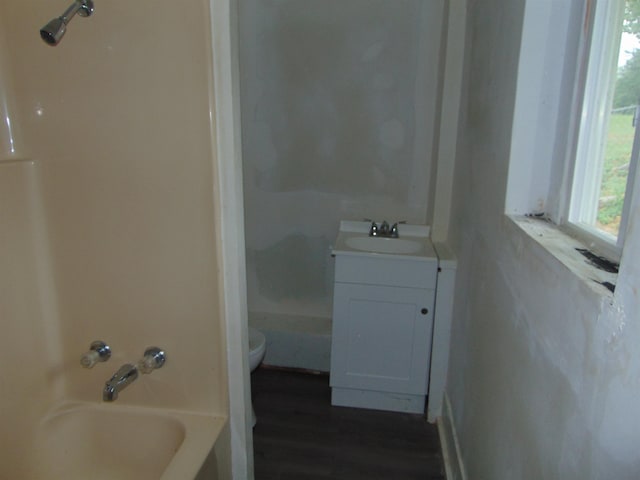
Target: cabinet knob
x=424 y=311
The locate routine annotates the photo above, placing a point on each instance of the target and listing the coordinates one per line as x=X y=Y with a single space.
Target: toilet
x=257 y=349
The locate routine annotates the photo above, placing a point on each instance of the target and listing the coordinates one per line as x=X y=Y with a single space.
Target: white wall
x=339 y=109
x=544 y=369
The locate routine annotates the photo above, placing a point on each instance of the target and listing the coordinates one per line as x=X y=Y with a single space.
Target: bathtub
x=53 y=422
x=78 y=441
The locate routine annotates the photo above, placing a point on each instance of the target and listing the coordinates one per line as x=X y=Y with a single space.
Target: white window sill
x=562 y=247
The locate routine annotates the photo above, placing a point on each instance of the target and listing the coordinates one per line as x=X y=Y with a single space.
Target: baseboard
x=453 y=463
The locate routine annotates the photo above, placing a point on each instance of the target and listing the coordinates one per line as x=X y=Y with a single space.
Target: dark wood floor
x=300 y=436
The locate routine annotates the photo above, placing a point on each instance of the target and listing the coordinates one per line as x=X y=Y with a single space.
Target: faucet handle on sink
x=393 y=233
x=373 y=229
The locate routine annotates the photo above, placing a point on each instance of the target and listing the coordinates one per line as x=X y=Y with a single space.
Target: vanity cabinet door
x=381 y=338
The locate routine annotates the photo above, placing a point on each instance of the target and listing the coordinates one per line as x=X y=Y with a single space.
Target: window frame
x=596 y=72
x=542 y=146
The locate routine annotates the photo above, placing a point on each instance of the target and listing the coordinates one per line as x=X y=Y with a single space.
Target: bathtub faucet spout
x=120 y=380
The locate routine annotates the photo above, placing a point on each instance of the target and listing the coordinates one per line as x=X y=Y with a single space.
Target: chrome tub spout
x=125 y=375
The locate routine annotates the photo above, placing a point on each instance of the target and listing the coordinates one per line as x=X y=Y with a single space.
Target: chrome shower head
x=53 y=31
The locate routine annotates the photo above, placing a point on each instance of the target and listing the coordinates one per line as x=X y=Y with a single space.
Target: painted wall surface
x=544 y=373
x=339 y=108
x=108 y=203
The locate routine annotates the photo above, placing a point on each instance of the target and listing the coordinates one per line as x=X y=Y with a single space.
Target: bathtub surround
x=340 y=104
x=109 y=200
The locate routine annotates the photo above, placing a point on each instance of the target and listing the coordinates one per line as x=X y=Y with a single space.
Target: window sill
x=562 y=248
x=597 y=241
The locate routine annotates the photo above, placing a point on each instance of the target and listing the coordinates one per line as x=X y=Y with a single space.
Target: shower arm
x=84 y=8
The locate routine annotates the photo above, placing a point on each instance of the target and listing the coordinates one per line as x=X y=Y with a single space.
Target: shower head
x=53 y=31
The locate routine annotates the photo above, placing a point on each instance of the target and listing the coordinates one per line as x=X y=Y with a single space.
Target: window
x=608 y=137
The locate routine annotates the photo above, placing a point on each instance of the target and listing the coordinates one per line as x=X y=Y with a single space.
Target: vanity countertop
x=412 y=243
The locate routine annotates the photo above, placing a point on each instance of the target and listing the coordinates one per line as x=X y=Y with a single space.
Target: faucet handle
x=98 y=352
x=153 y=358
x=393 y=233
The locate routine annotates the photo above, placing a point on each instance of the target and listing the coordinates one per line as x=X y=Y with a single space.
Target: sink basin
x=384 y=245
x=413 y=242
x=99 y=444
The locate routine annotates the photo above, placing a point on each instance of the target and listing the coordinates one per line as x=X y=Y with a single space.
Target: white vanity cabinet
x=382 y=328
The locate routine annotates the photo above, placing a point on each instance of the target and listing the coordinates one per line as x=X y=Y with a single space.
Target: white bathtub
x=79 y=441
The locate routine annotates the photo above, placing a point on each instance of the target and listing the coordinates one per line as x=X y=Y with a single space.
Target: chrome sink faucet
x=383 y=230
x=153 y=358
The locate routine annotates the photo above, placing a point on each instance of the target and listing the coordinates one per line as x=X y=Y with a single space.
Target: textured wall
x=339 y=104
x=543 y=375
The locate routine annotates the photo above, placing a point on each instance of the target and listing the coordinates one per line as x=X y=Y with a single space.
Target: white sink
x=384 y=245
x=412 y=242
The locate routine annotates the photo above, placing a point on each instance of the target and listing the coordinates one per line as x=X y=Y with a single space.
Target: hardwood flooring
x=300 y=436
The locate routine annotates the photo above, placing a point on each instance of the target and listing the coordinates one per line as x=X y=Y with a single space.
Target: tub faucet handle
x=98 y=352
x=153 y=358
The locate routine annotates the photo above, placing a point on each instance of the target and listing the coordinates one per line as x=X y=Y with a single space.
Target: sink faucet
x=125 y=375
x=384 y=230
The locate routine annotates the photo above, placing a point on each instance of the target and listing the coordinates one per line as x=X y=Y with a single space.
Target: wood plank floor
x=300 y=436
